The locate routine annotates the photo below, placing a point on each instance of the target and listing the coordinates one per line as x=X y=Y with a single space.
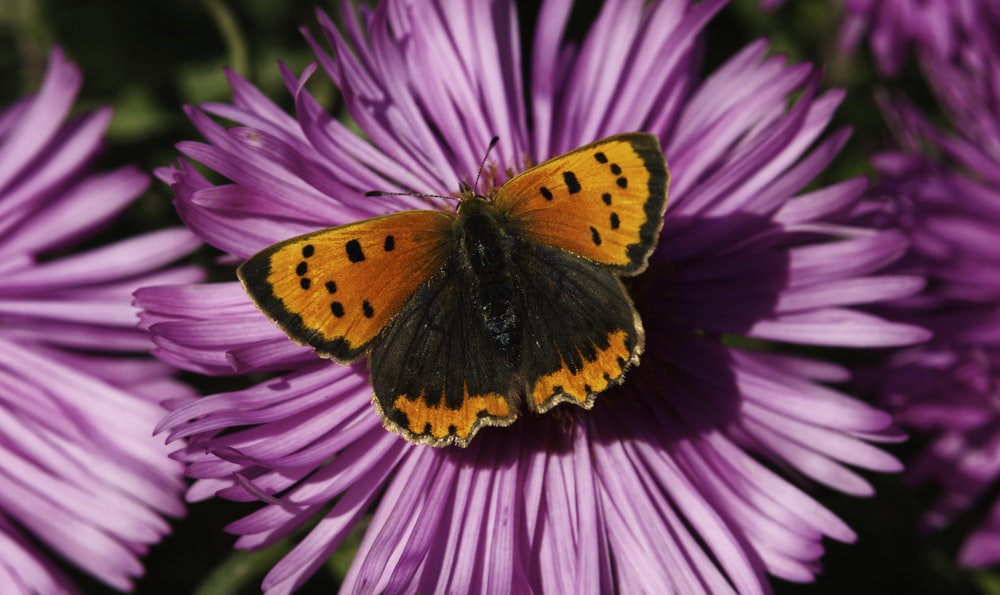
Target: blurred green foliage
x=149 y=58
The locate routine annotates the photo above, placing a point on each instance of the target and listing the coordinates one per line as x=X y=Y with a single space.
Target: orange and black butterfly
x=513 y=302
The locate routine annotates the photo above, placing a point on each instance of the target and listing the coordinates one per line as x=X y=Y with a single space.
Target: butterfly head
x=471 y=194
x=470 y=202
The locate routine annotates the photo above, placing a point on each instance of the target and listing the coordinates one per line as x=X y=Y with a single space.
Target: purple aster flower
x=83 y=478
x=668 y=482
x=893 y=26
x=947 y=201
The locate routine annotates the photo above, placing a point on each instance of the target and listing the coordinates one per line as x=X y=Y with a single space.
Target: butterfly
x=513 y=302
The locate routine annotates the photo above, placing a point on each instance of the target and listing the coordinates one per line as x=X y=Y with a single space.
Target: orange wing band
x=565 y=385
x=440 y=423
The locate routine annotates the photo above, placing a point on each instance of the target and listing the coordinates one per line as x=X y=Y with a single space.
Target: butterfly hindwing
x=436 y=374
x=336 y=289
x=603 y=201
x=582 y=331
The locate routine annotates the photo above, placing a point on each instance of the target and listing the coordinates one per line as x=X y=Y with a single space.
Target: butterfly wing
x=436 y=374
x=603 y=201
x=336 y=289
x=582 y=331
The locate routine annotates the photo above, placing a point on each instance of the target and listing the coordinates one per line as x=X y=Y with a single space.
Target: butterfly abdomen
x=486 y=248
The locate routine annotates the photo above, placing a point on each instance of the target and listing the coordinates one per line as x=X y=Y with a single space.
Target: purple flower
x=947 y=200
x=83 y=478
x=894 y=27
x=934 y=26
x=667 y=482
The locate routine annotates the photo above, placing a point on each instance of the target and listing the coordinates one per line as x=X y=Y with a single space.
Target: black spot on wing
x=572 y=184
x=302 y=269
x=354 y=251
x=595 y=236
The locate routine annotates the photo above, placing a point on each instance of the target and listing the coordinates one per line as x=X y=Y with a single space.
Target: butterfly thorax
x=486 y=248
x=484 y=239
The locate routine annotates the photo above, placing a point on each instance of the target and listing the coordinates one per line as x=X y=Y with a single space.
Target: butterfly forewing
x=603 y=201
x=337 y=289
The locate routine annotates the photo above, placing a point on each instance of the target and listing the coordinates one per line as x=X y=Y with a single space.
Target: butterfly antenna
x=372 y=193
x=462 y=186
x=475 y=187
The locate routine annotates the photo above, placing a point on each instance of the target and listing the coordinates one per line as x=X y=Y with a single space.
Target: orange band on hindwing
x=441 y=424
x=581 y=385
